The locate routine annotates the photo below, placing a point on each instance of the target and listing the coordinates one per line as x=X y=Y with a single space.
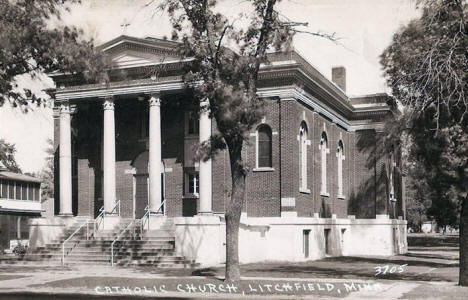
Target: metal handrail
x=69 y=238
x=160 y=207
x=148 y=214
x=116 y=239
x=103 y=213
x=145 y=217
x=99 y=217
x=117 y=205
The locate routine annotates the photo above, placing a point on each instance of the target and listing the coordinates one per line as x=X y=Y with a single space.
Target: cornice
x=99 y=91
x=294 y=93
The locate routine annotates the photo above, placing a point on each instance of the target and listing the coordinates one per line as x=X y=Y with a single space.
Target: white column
x=65 y=161
x=205 y=166
x=155 y=154
x=109 y=156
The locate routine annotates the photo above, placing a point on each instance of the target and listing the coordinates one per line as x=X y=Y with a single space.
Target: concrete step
x=156 y=264
x=154 y=258
x=152 y=233
x=100 y=242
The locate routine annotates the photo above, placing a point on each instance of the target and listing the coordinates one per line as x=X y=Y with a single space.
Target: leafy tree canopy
x=30 y=44
x=7 y=156
x=426 y=66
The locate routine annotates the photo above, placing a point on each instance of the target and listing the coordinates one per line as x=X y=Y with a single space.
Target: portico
x=70 y=104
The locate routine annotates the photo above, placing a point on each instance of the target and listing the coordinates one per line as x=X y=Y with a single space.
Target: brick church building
x=128 y=149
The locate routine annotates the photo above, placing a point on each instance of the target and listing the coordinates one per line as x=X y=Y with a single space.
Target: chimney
x=339 y=77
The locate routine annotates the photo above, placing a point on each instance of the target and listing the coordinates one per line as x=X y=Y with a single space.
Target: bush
x=20 y=250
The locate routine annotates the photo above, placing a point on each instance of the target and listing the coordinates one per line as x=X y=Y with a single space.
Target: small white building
x=20 y=199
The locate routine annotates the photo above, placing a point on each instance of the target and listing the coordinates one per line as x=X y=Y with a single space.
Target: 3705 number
x=387 y=269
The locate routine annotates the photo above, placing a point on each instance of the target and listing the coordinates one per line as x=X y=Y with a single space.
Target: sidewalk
x=97 y=282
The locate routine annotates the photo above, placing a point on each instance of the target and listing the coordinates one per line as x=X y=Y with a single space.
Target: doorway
x=141 y=185
x=327 y=242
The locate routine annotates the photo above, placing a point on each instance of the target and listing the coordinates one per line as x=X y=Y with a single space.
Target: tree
x=426 y=68
x=30 y=45
x=417 y=200
x=47 y=172
x=7 y=156
x=229 y=83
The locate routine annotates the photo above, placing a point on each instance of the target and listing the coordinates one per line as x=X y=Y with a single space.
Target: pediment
x=126 y=51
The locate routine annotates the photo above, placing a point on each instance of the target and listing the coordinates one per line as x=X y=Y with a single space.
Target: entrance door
x=141 y=194
x=141 y=184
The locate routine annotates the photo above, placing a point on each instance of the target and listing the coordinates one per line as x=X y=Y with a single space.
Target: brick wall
x=264 y=190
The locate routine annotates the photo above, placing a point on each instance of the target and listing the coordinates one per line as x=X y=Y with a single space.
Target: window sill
x=191 y=196
x=324 y=194
x=342 y=197
x=19 y=200
x=264 y=169
x=304 y=191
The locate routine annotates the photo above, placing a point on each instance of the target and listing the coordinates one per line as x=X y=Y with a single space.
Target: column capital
x=155 y=99
x=65 y=108
x=205 y=103
x=108 y=104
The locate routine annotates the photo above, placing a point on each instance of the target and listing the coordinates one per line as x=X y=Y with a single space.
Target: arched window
x=323 y=154
x=340 y=156
x=264 y=153
x=303 y=156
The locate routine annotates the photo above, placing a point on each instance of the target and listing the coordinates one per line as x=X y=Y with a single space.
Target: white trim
x=288 y=202
x=257 y=168
x=134 y=196
x=114 y=91
x=294 y=93
x=263 y=169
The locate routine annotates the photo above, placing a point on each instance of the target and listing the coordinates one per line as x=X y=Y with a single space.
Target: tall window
x=264 y=153
x=192 y=183
x=323 y=154
x=392 y=186
x=193 y=122
x=340 y=157
x=303 y=155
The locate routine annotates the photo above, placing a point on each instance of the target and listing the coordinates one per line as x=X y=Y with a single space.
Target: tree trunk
x=233 y=214
x=463 y=276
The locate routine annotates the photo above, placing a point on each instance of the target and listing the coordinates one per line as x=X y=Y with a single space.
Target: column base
x=109 y=222
x=156 y=221
x=205 y=213
x=65 y=215
x=382 y=216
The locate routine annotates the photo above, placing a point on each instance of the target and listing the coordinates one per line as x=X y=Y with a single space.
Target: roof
x=135 y=58
x=19 y=177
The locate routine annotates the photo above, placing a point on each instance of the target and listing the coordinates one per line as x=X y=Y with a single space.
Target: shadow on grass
x=434 y=256
x=326 y=272
x=433 y=240
x=384 y=261
x=208 y=272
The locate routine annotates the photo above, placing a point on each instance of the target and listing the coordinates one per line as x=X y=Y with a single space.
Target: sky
x=364 y=28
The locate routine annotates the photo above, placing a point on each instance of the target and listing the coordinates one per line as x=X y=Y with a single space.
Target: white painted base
x=289 y=214
x=282 y=239
x=46 y=230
